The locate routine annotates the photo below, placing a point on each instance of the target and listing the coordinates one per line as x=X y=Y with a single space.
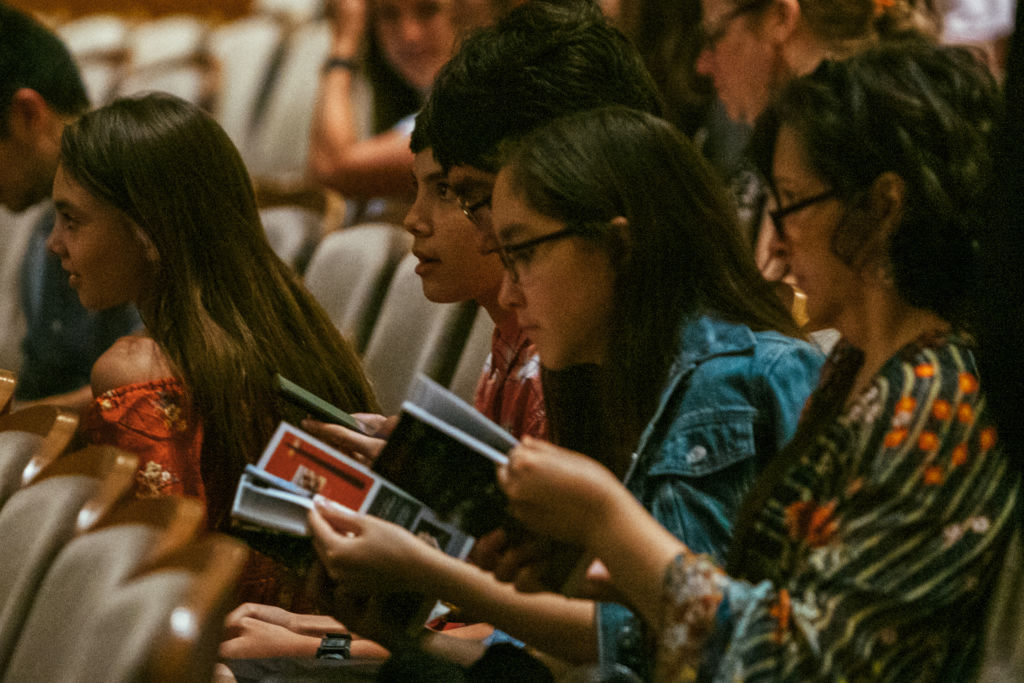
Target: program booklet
x=436 y=476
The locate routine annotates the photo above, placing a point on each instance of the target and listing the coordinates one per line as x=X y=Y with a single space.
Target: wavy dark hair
x=682 y=253
x=225 y=310
x=543 y=60
x=923 y=112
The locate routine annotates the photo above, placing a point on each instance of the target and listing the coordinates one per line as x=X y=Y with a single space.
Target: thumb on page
x=341 y=519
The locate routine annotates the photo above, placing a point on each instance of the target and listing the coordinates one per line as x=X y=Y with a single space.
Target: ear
x=780 y=21
x=881 y=216
x=30 y=116
x=885 y=202
x=149 y=250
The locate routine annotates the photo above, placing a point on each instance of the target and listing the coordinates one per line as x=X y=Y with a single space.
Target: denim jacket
x=732 y=400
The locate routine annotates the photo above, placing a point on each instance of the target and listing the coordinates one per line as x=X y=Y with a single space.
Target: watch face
x=334 y=646
x=335 y=642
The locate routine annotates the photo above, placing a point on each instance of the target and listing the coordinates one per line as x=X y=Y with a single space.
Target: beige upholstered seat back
x=39 y=519
x=349 y=274
x=471 y=360
x=165 y=624
x=30 y=439
x=16 y=449
x=85 y=576
x=413 y=335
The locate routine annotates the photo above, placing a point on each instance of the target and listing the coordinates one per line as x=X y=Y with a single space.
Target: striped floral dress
x=878 y=549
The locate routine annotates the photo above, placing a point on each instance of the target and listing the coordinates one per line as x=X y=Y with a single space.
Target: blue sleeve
x=734 y=414
x=790 y=374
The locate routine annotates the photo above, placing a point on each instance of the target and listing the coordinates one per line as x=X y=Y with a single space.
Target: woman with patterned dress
x=870 y=547
x=155 y=207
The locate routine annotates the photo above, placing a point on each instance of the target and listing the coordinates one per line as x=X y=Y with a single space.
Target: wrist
x=609 y=513
x=345 y=47
x=335 y=646
x=336 y=63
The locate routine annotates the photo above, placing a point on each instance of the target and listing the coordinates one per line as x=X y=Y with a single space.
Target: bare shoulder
x=129 y=360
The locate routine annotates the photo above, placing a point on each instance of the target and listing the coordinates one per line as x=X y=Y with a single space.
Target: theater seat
x=66 y=498
x=413 y=335
x=349 y=273
x=60 y=641
x=30 y=439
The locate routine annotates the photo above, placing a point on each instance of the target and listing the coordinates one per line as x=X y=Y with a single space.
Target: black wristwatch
x=335 y=646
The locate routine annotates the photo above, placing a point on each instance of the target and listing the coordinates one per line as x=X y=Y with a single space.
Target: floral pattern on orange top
x=150 y=420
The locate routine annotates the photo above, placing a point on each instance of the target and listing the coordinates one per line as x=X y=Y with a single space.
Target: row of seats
x=257 y=75
x=365 y=278
x=96 y=585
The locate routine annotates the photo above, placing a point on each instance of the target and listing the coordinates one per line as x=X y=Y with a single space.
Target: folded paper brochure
x=435 y=476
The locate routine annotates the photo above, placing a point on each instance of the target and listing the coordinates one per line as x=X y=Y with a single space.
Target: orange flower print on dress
x=941 y=410
x=959 y=455
x=170 y=411
x=987 y=439
x=924 y=370
x=812 y=523
x=965 y=413
x=933 y=475
x=907 y=404
x=780 y=613
x=904 y=413
x=152 y=480
x=968 y=383
x=928 y=441
x=895 y=438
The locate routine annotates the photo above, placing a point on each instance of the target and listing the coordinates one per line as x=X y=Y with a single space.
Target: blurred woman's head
x=416 y=37
x=408 y=43
x=753 y=47
x=883 y=161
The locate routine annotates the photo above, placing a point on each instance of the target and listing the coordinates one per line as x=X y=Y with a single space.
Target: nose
x=510 y=296
x=55 y=241
x=416 y=221
x=772 y=252
x=410 y=29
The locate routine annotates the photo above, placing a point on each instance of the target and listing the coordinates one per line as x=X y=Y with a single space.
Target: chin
x=553 y=362
x=442 y=295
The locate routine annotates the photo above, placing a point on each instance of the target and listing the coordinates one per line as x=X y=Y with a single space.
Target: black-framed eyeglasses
x=782 y=211
x=711 y=37
x=471 y=210
x=510 y=253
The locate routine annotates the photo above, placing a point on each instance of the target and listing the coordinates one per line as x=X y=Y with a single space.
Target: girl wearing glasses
x=869 y=548
x=626 y=269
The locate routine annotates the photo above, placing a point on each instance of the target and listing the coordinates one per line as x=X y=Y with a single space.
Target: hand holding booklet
x=436 y=477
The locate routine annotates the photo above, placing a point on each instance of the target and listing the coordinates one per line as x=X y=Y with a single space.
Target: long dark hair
x=393 y=97
x=226 y=311
x=682 y=253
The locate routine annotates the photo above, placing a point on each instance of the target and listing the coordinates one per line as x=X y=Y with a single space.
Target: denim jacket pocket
x=705 y=441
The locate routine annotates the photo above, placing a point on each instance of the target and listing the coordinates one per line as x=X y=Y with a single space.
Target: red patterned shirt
x=509 y=391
